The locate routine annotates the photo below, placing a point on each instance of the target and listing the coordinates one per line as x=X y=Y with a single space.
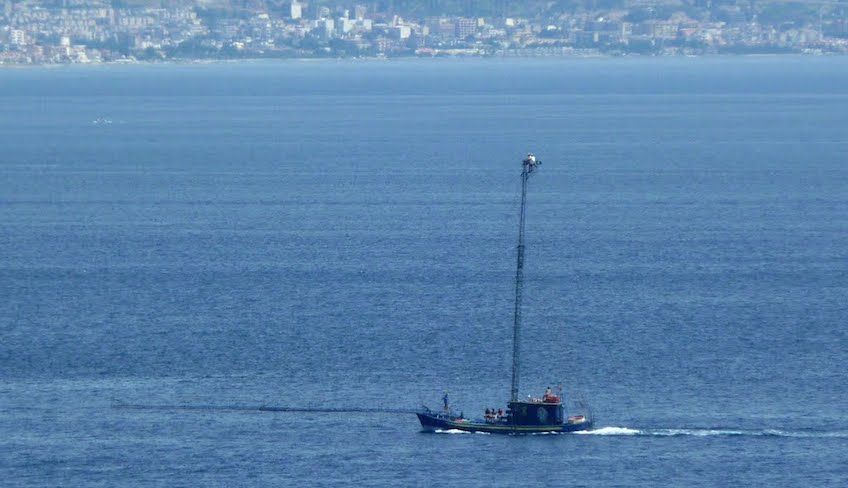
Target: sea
x=183 y=244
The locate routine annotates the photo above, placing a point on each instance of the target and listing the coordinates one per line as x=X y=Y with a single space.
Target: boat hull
x=431 y=422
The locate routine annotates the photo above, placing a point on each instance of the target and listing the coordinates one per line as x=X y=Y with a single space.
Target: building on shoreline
x=84 y=31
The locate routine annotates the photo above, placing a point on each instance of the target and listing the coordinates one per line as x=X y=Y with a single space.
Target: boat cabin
x=536 y=413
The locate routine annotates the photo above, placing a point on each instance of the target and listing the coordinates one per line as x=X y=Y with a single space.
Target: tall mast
x=527 y=166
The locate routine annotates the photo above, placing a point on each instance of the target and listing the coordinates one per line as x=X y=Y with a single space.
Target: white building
x=359 y=12
x=296 y=10
x=17 y=37
x=345 y=25
x=325 y=27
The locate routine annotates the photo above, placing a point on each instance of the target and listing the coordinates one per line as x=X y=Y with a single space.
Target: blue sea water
x=342 y=233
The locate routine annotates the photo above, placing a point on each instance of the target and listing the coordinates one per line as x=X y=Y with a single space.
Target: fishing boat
x=542 y=414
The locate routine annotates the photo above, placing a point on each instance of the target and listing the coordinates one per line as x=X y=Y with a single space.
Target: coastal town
x=97 y=31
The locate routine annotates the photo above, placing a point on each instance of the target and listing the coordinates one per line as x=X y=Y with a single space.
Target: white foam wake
x=698 y=432
x=626 y=431
x=451 y=431
x=610 y=431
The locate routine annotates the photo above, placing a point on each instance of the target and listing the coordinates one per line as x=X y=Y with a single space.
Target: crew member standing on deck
x=446 y=402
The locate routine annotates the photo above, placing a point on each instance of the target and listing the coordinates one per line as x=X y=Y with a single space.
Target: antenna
x=528 y=166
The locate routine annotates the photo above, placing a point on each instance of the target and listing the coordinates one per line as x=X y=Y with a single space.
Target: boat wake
x=457 y=431
x=610 y=431
x=626 y=431
x=630 y=432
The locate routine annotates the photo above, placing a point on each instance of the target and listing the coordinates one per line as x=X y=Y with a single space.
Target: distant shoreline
x=209 y=61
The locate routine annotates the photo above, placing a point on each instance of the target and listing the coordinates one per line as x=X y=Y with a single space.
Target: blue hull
x=431 y=422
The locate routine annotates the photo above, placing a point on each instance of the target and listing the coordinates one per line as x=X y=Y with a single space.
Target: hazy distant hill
x=469 y=8
x=771 y=12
